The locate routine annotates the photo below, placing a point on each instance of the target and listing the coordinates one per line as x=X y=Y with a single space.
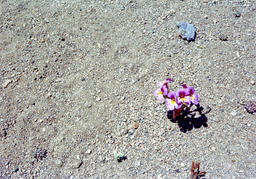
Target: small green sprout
x=119 y=157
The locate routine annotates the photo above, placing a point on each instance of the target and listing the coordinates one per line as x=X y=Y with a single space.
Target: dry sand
x=77 y=80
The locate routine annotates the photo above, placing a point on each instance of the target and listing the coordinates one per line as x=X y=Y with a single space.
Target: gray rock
x=250 y=106
x=223 y=37
x=187 y=31
x=59 y=162
x=137 y=163
x=76 y=163
x=237 y=14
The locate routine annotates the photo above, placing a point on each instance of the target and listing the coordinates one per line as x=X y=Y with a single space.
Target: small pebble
x=237 y=14
x=130 y=132
x=16 y=170
x=182 y=164
x=177 y=171
x=250 y=106
x=6 y=83
x=24 y=60
x=137 y=163
x=76 y=163
x=136 y=125
x=88 y=151
x=152 y=31
x=87 y=104
x=3 y=133
x=122 y=8
x=102 y=159
x=233 y=113
x=187 y=31
x=223 y=37
x=98 y=99
x=46 y=20
x=59 y=163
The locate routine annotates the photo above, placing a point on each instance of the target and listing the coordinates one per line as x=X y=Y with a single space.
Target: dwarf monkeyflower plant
x=176 y=101
x=183 y=97
x=192 y=95
x=161 y=92
x=171 y=101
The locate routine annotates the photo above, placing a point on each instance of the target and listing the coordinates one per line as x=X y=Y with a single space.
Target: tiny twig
x=195 y=170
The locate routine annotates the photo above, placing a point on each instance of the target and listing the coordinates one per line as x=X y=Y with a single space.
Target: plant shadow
x=188 y=119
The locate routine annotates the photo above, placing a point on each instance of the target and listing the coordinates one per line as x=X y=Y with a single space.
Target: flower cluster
x=184 y=97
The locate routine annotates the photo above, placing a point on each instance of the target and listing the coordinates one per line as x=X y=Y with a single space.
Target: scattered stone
x=207 y=109
x=233 y=113
x=3 y=133
x=88 y=151
x=130 y=132
x=59 y=163
x=152 y=31
x=102 y=159
x=223 y=37
x=250 y=106
x=187 y=31
x=48 y=95
x=237 y=14
x=177 y=171
x=122 y=8
x=16 y=169
x=76 y=163
x=46 y=20
x=83 y=79
x=98 y=99
x=40 y=154
x=24 y=60
x=87 y=104
x=6 y=83
x=137 y=163
x=136 y=125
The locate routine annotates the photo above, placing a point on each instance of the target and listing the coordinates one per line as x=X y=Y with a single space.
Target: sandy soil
x=77 y=81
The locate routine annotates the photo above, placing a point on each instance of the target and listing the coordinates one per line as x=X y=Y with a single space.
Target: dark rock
x=16 y=170
x=223 y=37
x=3 y=133
x=187 y=31
x=40 y=154
x=177 y=171
x=122 y=8
x=237 y=14
x=250 y=106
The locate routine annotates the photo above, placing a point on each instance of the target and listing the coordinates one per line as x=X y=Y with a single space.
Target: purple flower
x=183 y=97
x=171 y=101
x=184 y=85
x=167 y=80
x=191 y=93
x=161 y=93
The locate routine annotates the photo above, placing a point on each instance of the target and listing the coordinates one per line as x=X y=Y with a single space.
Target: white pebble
x=6 y=83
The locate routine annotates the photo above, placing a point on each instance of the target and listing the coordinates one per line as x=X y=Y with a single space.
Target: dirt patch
x=77 y=80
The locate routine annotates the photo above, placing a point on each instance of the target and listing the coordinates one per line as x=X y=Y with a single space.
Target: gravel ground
x=77 y=81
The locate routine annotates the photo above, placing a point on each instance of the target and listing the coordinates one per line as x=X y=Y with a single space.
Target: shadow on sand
x=188 y=119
